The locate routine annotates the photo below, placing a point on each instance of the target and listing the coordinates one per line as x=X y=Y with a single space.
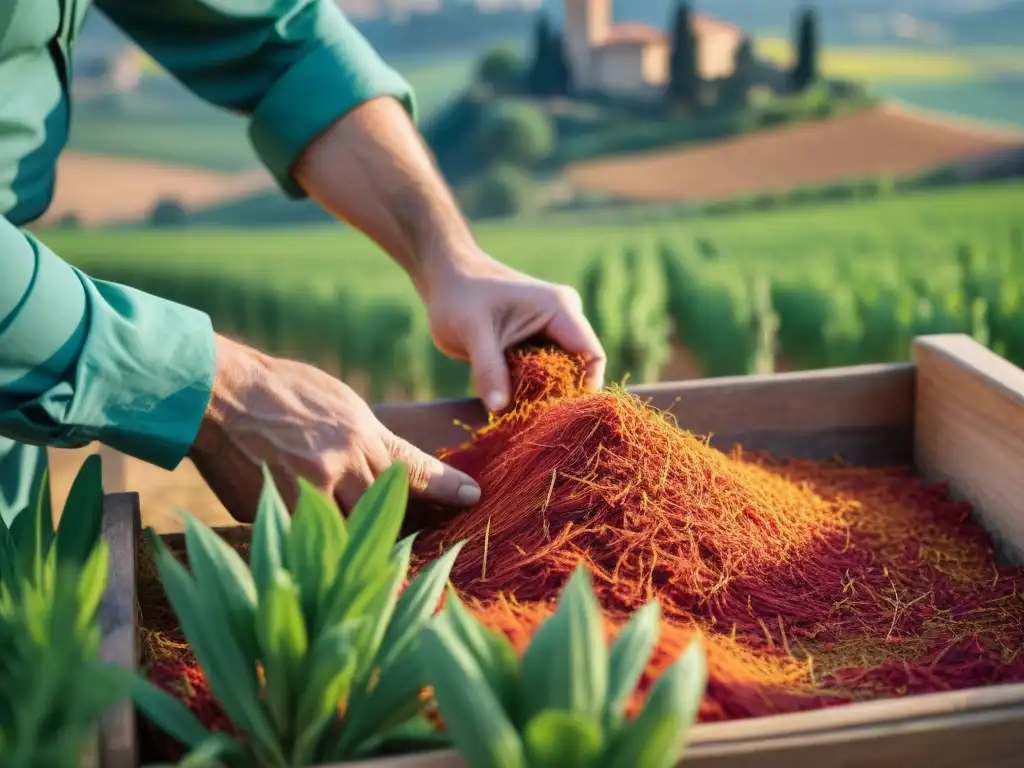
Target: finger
x=431 y=479
x=490 y=370
x=571 y=330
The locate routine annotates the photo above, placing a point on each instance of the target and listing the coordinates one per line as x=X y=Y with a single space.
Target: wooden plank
x=969 y=431
x=811 y=414
x=118 y=624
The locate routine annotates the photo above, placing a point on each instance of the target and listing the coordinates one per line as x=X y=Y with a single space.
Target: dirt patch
x=885 y=140
x=101 y=189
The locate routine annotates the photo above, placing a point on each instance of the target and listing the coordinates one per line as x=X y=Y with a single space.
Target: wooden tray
x=956 y=413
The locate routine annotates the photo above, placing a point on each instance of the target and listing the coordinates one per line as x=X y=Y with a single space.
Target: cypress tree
x=805 y=69
x=684 y=77
x=539 y=79
x=743 y=73
x=561 y=79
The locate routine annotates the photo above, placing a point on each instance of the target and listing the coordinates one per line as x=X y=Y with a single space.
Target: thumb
x=490 y=371
x=431 y=479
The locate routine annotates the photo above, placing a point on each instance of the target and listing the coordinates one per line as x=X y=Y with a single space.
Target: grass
x=923 y=228
x=903 y=64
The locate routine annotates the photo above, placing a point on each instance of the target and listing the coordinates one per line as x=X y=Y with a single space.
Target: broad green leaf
x=269 y=534
x=92 y=581
x=316 y=542
x=373 y=526
x=565 y=666
x=472 y=714
x=393 y=700
x=10 y=568
x=492 y=652
x=416 y=605
x=556 y=739
x=379 y=611
x=210 y=753
x=413 y=736
x=283 y=641
x=81 y=522
x=224 y=580
x=658 y=734
x=32 y=529
x=231 y=679
x=331 y=666
x=630 y=653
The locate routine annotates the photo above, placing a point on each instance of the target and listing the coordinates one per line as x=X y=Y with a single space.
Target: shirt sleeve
x=84 y=360
x=294 y=67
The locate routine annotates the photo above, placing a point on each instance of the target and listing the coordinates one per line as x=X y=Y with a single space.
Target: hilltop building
x=632 y=58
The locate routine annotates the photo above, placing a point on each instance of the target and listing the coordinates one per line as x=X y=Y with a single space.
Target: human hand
x=302 y=423
x=479 y=308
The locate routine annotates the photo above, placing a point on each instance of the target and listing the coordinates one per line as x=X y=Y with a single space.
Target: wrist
x=235 y=364
x=438 y=268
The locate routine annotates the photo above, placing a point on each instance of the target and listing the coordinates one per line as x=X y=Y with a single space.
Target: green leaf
x=92 y=581
x=331 y=667
x=210 y=753
x=658 y=734
x=491 y=651
x=10 y=568
x=416 y=605
x=231 y=679
x=565 y=666
x=32 y=530
x=81 y=522
x=630 y=653
x=269 y=534
x=224 y=580
x=379 y=610
x=472 y=714
x=283 y=641
x=556 y=739
x=373 y=527
x=392 y=701
x=316 y=542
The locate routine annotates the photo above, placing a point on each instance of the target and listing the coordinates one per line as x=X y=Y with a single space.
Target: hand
x=302 y=423
x=479 y=308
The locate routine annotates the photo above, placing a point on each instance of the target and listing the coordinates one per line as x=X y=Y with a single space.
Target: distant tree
x=501 y=69
x=502 y=190
x=684 y=73
x=742 y=74
x=561 y=73
x=168 y=212
x=539 y=77
x=805 y=69
x=516 y=134
x=549 y=73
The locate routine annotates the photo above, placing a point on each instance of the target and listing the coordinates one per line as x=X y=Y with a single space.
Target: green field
x=920 y=232
x=846 y=283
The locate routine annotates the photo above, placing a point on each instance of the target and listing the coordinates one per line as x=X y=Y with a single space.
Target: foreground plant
x=563 y=704
x=310 y=649
x=53 y=687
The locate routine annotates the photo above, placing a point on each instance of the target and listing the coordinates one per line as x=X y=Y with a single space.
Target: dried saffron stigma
x=814 y=583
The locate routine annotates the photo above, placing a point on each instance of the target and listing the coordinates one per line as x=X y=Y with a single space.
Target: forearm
x=372 y=169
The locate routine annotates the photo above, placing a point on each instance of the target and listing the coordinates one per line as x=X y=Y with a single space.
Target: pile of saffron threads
x=812 y=583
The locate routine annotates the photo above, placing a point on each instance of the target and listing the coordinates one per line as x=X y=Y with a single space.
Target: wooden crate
x=956 y=413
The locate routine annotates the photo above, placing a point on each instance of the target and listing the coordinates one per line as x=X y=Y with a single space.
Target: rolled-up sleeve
x=84 y=360
x=294 y=67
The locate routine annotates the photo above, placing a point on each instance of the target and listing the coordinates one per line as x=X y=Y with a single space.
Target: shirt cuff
x=144 y=376
x=315 y=93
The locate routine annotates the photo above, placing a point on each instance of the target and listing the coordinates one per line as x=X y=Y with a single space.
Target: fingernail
x=495 y=400
x=469 y=494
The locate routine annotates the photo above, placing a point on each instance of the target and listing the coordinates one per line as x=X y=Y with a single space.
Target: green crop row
x=642 y=299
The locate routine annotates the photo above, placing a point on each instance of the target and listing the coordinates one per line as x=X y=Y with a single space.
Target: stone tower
x=587 y=23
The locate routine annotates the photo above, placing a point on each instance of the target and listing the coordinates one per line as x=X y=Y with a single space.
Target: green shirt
x=83 y=360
